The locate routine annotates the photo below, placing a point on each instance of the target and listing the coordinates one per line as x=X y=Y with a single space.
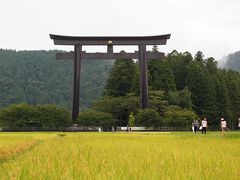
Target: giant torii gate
x=141 y=54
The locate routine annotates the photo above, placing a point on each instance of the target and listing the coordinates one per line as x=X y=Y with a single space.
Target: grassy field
x=119 y=156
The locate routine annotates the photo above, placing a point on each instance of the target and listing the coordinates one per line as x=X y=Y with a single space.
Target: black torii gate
x=141 y=54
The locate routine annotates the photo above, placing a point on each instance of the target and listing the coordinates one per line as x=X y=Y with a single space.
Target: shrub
x=118 y=107
x=175 y=116
x=18 y=115
x=148 y=118
x=95 y=118
x=24 y=115
x=50 y=115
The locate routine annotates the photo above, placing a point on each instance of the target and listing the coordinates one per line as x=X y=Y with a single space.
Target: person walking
x=204 y=125
x=131 y=121
x=195 y=126
x=223 y=125
x=239 y=123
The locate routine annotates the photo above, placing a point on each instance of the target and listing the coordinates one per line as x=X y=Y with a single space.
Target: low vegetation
x=20 y=116
x=95 y=118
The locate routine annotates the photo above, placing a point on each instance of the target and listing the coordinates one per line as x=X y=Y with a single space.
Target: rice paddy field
x=179 y=155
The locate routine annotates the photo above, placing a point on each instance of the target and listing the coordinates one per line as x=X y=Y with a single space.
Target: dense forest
x=182 y=87
x=36 y=77
x=183 y=82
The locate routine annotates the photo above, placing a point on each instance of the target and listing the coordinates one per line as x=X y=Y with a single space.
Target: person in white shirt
x=223 y=125
x=204 y=125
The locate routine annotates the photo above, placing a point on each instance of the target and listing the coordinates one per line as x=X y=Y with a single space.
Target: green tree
x=233 y=91
x=161 y=76
x=180 y=98
x=211 y=65
x=148 y=118
x=119 y=107
x=136 y=81
x=179 y=64
x=199 y=57
x=157 y=101
x=120 y=80
x=202 y=89
x=18 y=115
x=223 y=99
x=95 y=118
x=177 y=117
x=51 y=116
x=185 y=101
x=41 y=116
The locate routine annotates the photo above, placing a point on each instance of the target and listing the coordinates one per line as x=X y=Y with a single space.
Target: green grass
x=123 y=156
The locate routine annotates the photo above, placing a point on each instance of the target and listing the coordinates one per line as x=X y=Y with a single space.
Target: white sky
x=211 y=26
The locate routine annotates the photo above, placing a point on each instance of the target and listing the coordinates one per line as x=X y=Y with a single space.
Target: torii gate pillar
x=143 y=76
x=76 y=80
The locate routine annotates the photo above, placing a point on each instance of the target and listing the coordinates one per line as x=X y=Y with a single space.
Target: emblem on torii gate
x=77 y=55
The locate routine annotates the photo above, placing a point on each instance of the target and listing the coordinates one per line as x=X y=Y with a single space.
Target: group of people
x=203 y=126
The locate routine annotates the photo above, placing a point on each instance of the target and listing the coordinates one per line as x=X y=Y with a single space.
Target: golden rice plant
x=128 y=156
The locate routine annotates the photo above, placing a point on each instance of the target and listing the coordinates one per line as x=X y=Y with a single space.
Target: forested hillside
x=179 y=81
x=180 y=86
x=232 y=61
x=215 y=92
x=36 y=77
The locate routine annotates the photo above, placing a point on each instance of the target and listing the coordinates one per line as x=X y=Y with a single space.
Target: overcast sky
x=211 y=26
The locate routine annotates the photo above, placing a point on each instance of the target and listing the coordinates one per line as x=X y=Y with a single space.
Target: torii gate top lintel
x=114 y=40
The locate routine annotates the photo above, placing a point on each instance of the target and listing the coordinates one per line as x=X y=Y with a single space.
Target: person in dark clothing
x=195 y=126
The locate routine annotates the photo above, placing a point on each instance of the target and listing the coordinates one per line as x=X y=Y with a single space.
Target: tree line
x=39 y=117
x=181 y=87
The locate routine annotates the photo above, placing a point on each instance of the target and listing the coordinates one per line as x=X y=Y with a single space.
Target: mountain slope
x=232 y=61
x=36 y=77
